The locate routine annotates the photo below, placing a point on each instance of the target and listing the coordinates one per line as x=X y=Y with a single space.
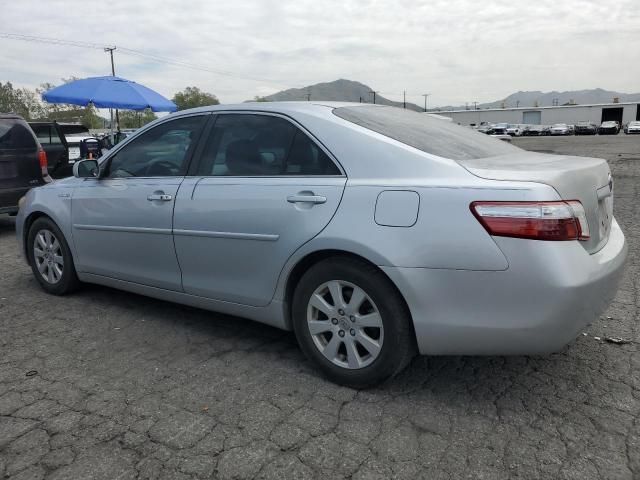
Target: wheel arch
x=313 y=258
x=28 y=221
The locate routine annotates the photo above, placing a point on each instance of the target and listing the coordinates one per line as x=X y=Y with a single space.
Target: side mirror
x=86 y=169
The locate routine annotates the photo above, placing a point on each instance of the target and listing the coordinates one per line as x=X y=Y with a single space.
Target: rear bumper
x=549 y=293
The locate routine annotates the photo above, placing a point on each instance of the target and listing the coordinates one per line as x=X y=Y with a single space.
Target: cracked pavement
x=130 y=387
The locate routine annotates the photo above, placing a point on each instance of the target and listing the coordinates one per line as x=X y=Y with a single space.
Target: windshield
x=426 y=133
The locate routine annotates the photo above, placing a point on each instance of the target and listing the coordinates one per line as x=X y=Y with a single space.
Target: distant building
x=623 y=112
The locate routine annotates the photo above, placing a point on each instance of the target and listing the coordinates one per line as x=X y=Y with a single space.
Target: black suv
x=23 y=162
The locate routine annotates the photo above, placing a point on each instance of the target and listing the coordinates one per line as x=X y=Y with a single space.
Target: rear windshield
x=424 y=132
x=15 y=134
x=73 y=129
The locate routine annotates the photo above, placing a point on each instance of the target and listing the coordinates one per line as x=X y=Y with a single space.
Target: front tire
x=352 y=323
x=50 y=258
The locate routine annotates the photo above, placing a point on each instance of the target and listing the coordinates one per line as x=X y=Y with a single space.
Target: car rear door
x=19 y=165
x=263 y=187
x=122 y=222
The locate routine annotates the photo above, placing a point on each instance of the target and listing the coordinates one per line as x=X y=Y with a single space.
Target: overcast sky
x=457 y=50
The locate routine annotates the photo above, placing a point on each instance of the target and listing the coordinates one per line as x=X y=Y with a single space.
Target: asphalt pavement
x=110 y=385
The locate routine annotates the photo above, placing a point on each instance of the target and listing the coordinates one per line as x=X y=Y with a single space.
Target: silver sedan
x=372 y=232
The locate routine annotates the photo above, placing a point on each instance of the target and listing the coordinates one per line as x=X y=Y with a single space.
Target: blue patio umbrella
x=109 y=92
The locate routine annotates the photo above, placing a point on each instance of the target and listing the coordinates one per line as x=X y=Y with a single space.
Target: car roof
x=11 y=116
x=277 y=107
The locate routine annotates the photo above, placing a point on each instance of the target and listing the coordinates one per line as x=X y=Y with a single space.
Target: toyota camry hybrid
x=372 y=232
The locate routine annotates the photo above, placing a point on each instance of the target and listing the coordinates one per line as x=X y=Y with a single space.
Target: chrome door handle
x=315 y=199
x=160 y=196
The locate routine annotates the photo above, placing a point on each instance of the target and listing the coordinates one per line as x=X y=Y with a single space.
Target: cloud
x=458 y=50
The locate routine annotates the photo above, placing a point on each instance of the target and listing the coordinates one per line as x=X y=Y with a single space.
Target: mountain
x=337 y=91
x=547 y=99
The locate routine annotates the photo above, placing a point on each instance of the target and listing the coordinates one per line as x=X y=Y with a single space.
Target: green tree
x=132 y=119
x=192 y=97
x=22 y=101
x=260 y=99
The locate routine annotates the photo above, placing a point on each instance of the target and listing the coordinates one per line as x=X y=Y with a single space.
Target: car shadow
x=278 y=351
x=160 y=327
x=7 y=225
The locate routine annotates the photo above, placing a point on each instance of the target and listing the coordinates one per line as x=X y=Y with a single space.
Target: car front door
x=261 y=189
x=122 y=221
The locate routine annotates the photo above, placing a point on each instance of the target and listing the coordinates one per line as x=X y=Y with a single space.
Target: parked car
x=533 y=130
x=586 y=128
x=53 y=142
x=515 y=130
x=23 y=162
x=546 y=130
x=560 y=129
x=632 y=127
x=609 y=128
x=61 y=141
x=371 y=231
x=499 y=129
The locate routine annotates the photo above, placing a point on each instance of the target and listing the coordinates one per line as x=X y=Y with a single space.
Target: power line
x=173 y=62
x=140 y=54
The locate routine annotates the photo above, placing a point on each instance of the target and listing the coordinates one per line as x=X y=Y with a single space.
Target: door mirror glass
x=86 y=169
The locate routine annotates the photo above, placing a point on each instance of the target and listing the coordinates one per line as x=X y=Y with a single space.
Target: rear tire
x=50 y=258
x=361 y=339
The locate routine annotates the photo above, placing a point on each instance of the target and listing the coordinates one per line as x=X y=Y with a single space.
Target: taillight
x=533 y=220
x=42 y=158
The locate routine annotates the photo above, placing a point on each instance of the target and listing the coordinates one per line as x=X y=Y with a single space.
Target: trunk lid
x=574 y=178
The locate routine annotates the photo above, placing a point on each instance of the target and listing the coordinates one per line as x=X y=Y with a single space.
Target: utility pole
x=425 y=95
x=517 y=103
x=475 y=105
x=113 y=72
x=374 y=95
x=404 y=99
x=308 y=95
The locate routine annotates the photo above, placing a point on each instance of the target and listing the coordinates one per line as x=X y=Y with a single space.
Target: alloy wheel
x=47 y=255
x=345 y=324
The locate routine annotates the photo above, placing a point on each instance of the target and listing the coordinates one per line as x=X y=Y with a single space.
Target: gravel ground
x=128 y=387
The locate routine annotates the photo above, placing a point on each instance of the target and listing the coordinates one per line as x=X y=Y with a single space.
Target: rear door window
x=424 y=132
x=249 y=145
x=15 y=134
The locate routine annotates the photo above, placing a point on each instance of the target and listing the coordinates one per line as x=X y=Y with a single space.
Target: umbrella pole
x=113 y=140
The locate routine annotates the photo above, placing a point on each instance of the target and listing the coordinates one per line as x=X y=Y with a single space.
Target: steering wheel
x=161 y=167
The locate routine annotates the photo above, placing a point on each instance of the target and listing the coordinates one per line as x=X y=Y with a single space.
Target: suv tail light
x=533 y=220
x=42 y=158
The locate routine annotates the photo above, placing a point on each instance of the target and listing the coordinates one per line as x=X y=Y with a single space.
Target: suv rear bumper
x=549 y=293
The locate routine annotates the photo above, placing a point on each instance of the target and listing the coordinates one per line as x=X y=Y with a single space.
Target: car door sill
x=271 y=314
